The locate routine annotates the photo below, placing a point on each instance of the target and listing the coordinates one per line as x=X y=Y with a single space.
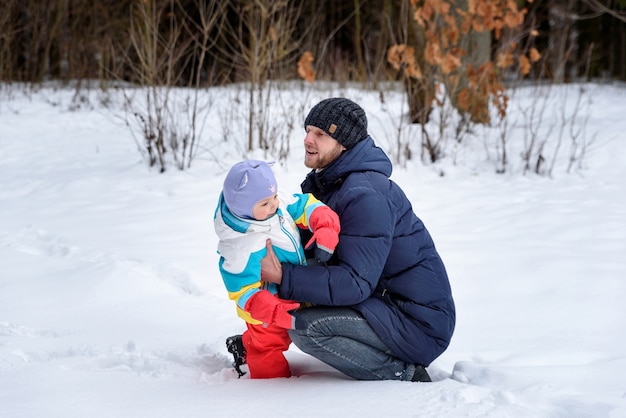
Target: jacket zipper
x=294 y=242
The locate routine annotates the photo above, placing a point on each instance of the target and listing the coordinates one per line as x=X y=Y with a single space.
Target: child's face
x=265 y=208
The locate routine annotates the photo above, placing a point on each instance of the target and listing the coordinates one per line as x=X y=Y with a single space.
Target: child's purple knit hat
x=246 y=183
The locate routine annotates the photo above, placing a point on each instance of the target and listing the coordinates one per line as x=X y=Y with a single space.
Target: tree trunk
x=561 y=45
x=357 y=40
x=420 y=95
x=420 y=92
x=477 y=46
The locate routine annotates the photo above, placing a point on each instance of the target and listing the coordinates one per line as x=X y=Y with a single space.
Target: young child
x=249 y=212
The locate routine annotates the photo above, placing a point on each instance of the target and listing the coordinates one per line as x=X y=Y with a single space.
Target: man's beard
x=321 y=161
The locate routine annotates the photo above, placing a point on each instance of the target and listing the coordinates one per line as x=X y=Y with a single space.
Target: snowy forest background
x=457 y=63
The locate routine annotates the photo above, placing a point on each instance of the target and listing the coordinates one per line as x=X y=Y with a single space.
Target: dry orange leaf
x=305 y=67
x=403 y=56
x=534 y=55
x=463 y=100
x=273 y=36
x=524 y=64
x=504 y=60
x=450 y=63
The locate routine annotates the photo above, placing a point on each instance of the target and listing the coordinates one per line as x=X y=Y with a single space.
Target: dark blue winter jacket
x=385 y=266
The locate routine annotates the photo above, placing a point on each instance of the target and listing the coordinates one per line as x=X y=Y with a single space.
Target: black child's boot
x=234 y=345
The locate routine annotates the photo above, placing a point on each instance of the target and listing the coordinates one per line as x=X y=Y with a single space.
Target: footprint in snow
x=36 y=241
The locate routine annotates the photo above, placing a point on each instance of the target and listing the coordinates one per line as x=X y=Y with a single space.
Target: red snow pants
x=264 y=351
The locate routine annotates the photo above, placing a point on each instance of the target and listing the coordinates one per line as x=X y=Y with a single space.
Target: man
x=382 y=307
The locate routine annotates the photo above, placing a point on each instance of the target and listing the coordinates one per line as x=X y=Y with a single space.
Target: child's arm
x=308 y=212
x=324 y=223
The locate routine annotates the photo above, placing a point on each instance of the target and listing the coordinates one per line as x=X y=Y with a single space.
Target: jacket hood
x=231 y=226
x=364 y=156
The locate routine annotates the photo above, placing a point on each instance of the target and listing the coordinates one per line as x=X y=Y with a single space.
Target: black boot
x=420 y=375
x=234 y=345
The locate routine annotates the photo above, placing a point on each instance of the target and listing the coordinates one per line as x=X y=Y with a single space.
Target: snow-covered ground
x=111 y=304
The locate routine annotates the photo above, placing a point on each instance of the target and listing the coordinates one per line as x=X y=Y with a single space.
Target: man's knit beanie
x=246 y=183
x=342 y=119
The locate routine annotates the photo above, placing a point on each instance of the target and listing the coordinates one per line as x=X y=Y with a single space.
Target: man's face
x=320 y=148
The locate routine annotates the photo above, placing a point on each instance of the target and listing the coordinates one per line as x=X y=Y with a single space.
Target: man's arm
x=271 y=269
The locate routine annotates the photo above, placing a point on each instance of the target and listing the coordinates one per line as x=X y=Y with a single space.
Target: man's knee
x=301 y=339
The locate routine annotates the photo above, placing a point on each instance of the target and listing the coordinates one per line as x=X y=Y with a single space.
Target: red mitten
x=283 y=318
x=267 y=308
x=324 y=223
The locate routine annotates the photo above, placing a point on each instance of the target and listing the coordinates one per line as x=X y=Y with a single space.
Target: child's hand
x=326 y=240
x=325 y=225
x=282 y=317
x=269 y=309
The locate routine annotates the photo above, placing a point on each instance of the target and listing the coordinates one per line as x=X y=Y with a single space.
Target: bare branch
x=601 y=9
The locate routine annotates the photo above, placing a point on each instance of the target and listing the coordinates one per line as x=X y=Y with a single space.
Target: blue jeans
x=342 y=338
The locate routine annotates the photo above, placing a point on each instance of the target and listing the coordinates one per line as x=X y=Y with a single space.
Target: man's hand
x=271 y=269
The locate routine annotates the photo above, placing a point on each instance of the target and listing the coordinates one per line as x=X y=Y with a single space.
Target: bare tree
x=260 y=44
x=164 y=40
x=9 y=32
